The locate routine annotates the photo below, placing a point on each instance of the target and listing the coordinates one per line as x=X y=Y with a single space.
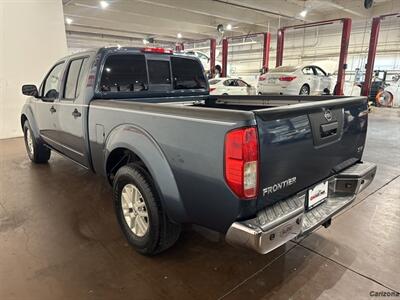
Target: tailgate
x=302 y=144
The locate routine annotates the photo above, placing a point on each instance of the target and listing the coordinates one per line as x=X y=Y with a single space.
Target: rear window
x=159 y=72
x=213 y=81
x=187 y=74
x=285 y=69
x=124 y=73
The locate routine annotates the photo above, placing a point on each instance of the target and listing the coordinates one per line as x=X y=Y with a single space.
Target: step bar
x=288 y=219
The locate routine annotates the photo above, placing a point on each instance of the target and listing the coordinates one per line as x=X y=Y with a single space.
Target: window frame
x=77 y=92
x=43 y=84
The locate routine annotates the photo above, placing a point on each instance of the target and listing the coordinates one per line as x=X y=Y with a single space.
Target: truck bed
x=303 y=139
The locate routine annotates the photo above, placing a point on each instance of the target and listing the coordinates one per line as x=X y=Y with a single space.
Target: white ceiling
x=197 y=19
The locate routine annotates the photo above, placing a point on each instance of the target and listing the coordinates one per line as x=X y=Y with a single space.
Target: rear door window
x=308 y=71
x=75 y=72
x=159 y=71
x=227 y=82
x=187 y=74
x=124 y=73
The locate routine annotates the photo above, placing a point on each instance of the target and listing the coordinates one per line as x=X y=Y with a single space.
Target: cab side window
x=51 y=85
x=75 y=71
x=124 y=73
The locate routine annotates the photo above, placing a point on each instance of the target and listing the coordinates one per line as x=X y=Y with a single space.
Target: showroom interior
x=283 y=182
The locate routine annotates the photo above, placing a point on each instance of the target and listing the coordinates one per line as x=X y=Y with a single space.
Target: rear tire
x=37 y=151
x=305 y=90
x=156 y=231
x=225 y=94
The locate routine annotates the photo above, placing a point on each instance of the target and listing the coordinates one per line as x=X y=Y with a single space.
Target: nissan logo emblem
x=328 y=115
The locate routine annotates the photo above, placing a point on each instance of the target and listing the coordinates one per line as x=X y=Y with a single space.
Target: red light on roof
x=157 y=50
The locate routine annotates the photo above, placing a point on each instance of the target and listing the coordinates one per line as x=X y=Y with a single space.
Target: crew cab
x=260 y=169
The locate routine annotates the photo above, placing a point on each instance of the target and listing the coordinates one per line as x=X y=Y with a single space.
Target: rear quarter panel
x=183 y=149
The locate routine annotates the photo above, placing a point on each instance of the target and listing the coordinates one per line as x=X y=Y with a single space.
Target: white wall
x=32 y=38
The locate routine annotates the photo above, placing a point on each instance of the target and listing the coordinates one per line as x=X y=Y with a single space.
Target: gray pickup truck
x=261 y=169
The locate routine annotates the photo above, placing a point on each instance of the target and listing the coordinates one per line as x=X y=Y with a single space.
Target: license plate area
x=317 y=194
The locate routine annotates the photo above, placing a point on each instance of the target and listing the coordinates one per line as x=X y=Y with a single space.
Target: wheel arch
x=140 y=146
x=27 y=115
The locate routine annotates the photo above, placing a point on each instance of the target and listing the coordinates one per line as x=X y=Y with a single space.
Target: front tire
x=37 y=151
x=140 y=213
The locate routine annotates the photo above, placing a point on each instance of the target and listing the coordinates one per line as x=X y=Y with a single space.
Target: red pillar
x=213 y=48
x=279 y=46
x=344 y=47
x=224 y=57
x=267 y=44
x=373 y=42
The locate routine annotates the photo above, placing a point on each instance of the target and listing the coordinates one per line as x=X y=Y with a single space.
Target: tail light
x=241 y=162
x=287 y=78
x=212 y=89
x=157 y=50
x=262 y=78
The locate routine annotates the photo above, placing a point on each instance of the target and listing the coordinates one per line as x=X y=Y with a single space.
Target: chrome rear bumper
x=288 y=219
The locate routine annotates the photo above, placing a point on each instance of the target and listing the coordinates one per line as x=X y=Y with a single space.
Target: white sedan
x=295 y=80
x=230 y=86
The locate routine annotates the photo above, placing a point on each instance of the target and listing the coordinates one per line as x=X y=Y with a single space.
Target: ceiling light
x=303 y=13
x=229 y=27
x=179 y=35
x=104 y=4
x=68 y=20
x=145 y=41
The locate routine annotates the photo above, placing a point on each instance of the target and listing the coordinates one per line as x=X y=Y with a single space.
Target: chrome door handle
x=52 y=109
x=76 y=113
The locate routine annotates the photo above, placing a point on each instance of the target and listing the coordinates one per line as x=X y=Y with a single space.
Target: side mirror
x=30 y=90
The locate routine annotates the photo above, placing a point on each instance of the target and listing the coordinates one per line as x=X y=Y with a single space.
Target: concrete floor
x=59 y=239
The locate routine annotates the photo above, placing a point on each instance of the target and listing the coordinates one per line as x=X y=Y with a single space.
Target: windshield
x=284 y=69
